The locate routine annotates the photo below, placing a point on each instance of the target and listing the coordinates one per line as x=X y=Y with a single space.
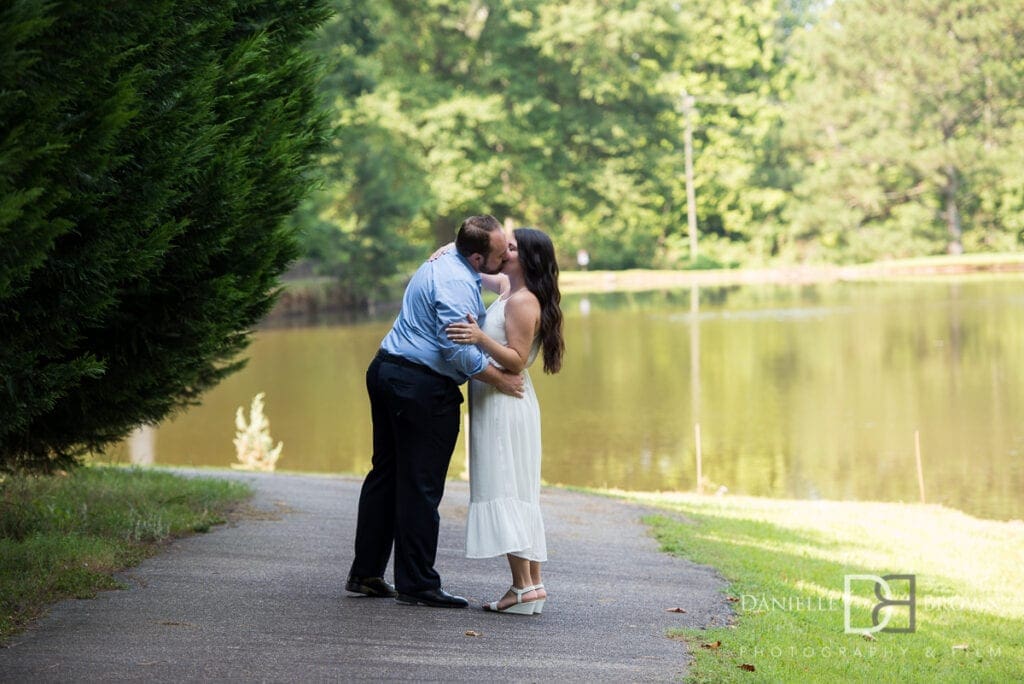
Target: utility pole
x=691 y=198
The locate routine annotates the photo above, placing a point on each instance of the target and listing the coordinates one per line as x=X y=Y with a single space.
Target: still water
x=802 y=391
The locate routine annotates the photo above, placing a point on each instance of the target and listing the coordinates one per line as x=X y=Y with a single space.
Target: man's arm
x=503 y=381
x=454 y=297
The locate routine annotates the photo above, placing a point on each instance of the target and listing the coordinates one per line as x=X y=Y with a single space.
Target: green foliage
x=63 y=536
x=908 y=120
x=149 y=155
x=606 y=116
x=840 y=131
x=737 y=70
x=563 y=115
x=354 y=227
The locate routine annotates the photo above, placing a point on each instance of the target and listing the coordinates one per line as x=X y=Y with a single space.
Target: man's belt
x=406 y=363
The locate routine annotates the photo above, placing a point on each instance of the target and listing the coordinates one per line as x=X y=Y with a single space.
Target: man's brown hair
x=474 y=235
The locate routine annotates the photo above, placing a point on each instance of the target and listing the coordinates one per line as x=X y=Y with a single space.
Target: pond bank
x=580 y=282
x=321 y=300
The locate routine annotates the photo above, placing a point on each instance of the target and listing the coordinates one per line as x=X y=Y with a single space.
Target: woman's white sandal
x=538 y=605
x=520 y=607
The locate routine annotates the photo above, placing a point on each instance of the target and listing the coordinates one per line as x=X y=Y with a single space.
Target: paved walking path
x=263 y=600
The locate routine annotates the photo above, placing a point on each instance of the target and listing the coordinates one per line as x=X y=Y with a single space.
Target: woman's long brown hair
x=540 y=272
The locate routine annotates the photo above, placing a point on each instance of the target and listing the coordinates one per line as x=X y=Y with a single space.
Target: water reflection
x=809 y=391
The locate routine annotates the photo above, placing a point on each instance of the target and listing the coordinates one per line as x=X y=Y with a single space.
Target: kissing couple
x=443 y=337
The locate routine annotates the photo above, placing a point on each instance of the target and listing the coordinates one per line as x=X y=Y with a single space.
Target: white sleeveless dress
x=504 y=464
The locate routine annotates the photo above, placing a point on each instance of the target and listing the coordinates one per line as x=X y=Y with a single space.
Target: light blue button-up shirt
x=441 y=292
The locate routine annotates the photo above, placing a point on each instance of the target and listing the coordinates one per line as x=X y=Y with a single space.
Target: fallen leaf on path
x=713 y=645
x=747 y=667
x=732 y=599
x=675 y=610
x=470 y=632
x=869 y=637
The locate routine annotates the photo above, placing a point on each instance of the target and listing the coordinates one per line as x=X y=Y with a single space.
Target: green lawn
x=63 y=536
x=786 y=562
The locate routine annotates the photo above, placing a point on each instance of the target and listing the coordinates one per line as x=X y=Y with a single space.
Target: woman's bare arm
x=496 y=283
x=522 y=316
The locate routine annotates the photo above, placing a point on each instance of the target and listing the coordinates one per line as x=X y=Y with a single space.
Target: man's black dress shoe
x=370 y=586
x=436 y=598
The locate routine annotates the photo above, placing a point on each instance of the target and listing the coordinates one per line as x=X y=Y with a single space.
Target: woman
x=504 y=435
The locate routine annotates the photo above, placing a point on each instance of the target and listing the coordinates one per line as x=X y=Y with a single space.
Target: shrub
x=148 y=153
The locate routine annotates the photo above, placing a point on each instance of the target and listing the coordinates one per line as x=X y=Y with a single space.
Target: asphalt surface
x=263 y=599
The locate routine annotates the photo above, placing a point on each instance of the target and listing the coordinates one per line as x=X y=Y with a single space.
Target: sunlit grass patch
x=787 y=563
x=64 y=536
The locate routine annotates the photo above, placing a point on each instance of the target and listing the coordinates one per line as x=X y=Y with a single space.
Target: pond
x=826 y=391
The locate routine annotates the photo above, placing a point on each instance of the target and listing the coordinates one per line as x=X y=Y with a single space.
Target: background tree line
x=823 y=131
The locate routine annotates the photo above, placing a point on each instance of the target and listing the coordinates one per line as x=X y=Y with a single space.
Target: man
x=414 y=404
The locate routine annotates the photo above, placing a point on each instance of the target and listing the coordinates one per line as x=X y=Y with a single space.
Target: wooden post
x=700 y=474
x=917 y=456
x=691 y=198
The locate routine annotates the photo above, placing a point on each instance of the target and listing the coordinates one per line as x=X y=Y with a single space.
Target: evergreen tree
x=149 y=155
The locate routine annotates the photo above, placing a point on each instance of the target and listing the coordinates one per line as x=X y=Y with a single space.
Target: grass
x=786 y=562
x=64 y=536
